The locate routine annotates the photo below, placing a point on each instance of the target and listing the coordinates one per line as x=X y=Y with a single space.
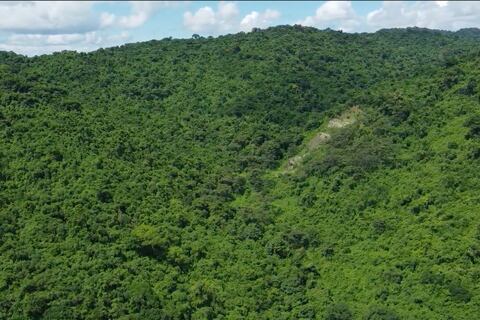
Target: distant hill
x=286 y=173
x=473 y=33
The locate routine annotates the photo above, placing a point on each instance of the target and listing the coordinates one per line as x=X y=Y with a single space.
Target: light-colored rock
x=320 y=138
x=294 y=161
x=347 y=118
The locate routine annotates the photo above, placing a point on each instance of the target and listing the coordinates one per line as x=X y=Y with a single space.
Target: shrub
x=381 y=313
x=459 y=293
x=473 y=124
x=339 y=311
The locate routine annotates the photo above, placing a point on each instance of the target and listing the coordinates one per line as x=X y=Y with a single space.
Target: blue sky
x=31 y=27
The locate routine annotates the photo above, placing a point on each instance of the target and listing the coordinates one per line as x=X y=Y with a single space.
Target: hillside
x=152 y=180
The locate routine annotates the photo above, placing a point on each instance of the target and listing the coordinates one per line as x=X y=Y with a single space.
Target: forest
x=284 y=173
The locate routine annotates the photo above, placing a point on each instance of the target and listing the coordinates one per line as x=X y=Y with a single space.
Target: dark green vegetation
x=147 y=181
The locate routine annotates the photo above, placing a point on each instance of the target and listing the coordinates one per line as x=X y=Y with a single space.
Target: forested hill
x=286 y=173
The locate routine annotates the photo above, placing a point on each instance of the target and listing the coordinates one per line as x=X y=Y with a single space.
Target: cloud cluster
x=45 y=17
x=447 y=15
x=226 y=19
x=33 y=44
x=36 y=27
x=208 y=20
x=259 y=20
x=340 y=15
x=141 y=12
x=334 y=14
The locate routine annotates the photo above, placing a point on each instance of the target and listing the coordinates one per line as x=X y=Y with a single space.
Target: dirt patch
x=347 y=118
x=320 y=138
x=294 y=161
x=339 y=123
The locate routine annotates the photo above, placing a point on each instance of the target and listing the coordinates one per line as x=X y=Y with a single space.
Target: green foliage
x=473 y=125
x=145 y=181
x=339 y=312
x=380 y=313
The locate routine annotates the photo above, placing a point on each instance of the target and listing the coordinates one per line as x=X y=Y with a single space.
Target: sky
x=40 y=27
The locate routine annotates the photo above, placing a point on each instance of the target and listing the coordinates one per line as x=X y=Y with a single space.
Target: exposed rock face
x=293 y=161
x=320 y=138
x=339 y=123
x=347 y=118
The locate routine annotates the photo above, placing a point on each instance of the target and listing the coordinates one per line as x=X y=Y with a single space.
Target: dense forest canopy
x=286 y=173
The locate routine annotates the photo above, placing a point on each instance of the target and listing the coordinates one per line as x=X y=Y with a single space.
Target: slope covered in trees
x=148 y=181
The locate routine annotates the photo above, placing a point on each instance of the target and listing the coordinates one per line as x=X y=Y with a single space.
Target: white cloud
x=208 y=20
x=202 y=20
x=55 y=39
x=142 y=11
x=227 y=19
x=32 y=44
x=119 y=38
x=226 y=15
x=107 y=19
x=448 y=15
x=44 y=17
x=259 y=20
x=336 y=15
x=37 y=27
x=392 y=14
x=334 y=10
